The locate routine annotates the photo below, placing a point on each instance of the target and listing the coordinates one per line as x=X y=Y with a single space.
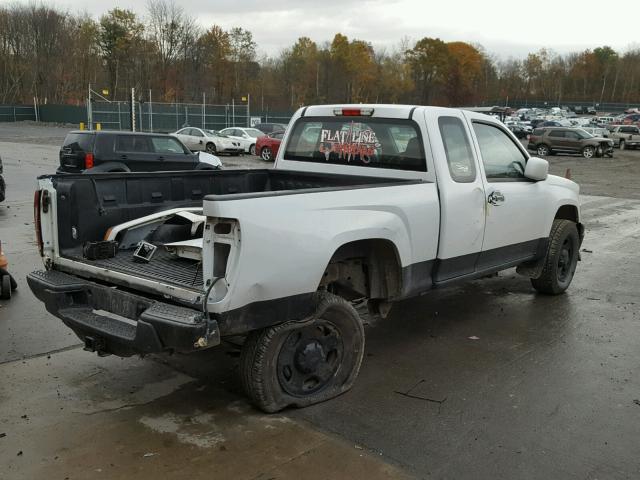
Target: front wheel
x=561 y=259
x=588 y=152
x=211 y=148
x=252 y=150
x=622 y=145
x=307 y=362
x=543 y=150
x=266 y=154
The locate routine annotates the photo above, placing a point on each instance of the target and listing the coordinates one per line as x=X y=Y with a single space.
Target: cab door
x=517 y=209
x=461 y=191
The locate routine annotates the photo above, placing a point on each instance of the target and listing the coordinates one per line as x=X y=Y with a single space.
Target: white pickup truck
x=367 y=203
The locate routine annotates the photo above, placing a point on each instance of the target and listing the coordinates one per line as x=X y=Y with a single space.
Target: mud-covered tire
x=268 y=354
x=561 y=259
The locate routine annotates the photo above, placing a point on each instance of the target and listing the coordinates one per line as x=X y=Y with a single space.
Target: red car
x=268 y=145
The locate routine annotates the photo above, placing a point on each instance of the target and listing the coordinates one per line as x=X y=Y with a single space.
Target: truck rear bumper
x=111 y=321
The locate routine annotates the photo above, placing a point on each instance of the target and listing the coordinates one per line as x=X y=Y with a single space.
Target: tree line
x=53 y=55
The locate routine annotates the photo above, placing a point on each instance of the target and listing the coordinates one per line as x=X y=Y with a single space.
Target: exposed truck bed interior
x=88 y=205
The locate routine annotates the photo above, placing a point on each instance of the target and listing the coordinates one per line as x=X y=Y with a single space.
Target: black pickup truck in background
x=106 y=151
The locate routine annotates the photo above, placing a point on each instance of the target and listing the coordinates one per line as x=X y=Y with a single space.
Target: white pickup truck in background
x=625 y=136
x=366 y=203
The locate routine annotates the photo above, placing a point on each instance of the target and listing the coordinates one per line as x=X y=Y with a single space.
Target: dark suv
x=105 y=151
x=552 y=140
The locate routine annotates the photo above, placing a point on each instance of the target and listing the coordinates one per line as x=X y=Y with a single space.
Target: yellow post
x=81 y=125
x=98 y=126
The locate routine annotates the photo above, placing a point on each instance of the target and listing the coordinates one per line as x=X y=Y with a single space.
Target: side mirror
x=537 y=169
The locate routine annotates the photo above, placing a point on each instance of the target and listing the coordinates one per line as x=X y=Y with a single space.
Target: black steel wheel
x=302 y=363
x=309 y=358
x=561 y=259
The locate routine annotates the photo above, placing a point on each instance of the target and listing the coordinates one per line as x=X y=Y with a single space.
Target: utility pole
x=89 y=113
x=248 y=109
x=150 y=113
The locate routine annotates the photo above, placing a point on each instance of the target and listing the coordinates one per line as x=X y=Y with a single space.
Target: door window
x=166 y=145
x=502 y=159
x=132 y=143
x=196 y=133
x=457 y=149
x=556 y=133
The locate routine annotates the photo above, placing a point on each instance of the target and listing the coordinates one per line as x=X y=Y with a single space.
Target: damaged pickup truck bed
x=371 y=203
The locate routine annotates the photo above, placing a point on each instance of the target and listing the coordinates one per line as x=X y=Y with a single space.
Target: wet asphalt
x=484 y=380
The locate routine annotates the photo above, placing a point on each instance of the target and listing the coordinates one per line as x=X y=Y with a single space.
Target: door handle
x=495 y=198
x=160 y=157
x=123 y=157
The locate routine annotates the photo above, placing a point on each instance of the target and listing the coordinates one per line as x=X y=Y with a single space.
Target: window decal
x=349 y=143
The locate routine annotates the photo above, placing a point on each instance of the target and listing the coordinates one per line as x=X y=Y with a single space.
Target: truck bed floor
x=162 y=267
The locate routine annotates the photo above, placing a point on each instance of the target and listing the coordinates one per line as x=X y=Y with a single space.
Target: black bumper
x=108 y=320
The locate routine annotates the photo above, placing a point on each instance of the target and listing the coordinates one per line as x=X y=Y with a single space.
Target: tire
x=211 y=148
x=543 y=150
x=588 y=152
x=5 y=287
x=266 y=154
x=622 y=145
x=303 y=363
x=252 y=149
x=561 y=259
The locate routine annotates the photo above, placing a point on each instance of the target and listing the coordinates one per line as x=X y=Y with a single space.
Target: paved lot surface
x=549 y=389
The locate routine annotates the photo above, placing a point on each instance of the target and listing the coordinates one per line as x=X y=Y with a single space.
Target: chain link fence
x=17 y=113
x=167 y=117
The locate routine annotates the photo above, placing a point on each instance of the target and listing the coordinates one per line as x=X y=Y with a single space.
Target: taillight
x=353 y=112
x=88 y=160
x=37 y=220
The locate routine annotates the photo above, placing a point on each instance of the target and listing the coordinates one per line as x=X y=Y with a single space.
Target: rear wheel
x=588 y=152
x=5 y=287
x=561 y=259
x=266 y=154
x=302 y=363
x=252 y=150
x=211 y=148
x=622 y=145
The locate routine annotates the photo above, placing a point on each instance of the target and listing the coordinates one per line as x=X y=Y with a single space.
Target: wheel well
x=570 y=212
x=364 y=268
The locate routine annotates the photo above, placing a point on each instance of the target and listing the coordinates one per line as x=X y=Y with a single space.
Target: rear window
x=79 y=142
x=357 y=141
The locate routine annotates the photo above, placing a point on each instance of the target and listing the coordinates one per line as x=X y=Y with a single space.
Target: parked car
x=518 y=130
x=111 y=151
x=549 y=141
x=597 y=131
x=591 y=111
x=625 y=136
x=268 y=145
x=271 y=127
x=632 y=119
x=246 y=136
x=3 y=186
x=210 y=141
x=413 y=198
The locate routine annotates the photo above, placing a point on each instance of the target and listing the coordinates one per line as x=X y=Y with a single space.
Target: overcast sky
x=504 y=28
